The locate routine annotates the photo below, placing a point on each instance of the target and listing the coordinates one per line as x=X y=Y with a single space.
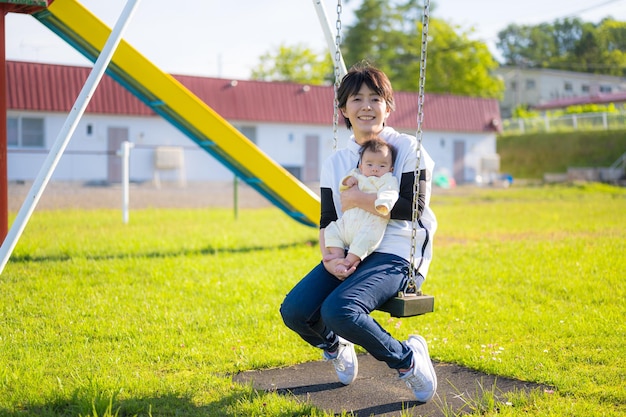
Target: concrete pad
x=378 y=391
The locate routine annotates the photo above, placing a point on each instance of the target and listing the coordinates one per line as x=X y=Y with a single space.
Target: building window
x=12 y=136
x=530 y=84
x=605 y=89
x=513 y=85
x=249 y=132
x=568 y=86
x=585 y=89
x=25 y=132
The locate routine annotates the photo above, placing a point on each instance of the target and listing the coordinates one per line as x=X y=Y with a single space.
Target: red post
x=4 y=182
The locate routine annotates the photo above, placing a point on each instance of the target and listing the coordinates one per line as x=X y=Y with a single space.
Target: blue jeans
x=320 y=307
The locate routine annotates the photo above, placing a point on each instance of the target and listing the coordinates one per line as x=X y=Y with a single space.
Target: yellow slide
x=170 y=99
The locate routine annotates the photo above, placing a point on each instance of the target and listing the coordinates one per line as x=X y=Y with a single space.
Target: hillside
x=530 y=156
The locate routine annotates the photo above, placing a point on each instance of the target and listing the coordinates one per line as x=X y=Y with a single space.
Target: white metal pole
x=125 y=155
x=328 y=33
x=65 y=134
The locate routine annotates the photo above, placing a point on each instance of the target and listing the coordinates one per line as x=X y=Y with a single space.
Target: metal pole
x=124 y=153
x=236 y=196
x=328 y=33
x=4 y=180
x=65 y=134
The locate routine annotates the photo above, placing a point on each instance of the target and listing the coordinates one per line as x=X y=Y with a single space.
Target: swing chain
x=411 y=287
x=337 y=74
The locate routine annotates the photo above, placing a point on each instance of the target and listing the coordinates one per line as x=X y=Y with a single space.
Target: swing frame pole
x=330 y=37
x=65 y=134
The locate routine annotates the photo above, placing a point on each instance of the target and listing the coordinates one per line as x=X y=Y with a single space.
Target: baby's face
x=376 y=163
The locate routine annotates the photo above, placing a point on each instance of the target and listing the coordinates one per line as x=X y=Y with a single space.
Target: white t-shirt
x=397 y=238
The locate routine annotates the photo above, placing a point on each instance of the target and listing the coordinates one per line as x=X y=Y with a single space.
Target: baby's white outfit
x=359 y=230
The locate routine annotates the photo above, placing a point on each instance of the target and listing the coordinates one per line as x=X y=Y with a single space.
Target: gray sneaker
x=345 y=362
x=421 y=379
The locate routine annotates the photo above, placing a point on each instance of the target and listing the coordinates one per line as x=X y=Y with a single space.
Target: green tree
x=459 y=65
x=567 y=44
x=612 y=39
x=389 y=34
x=540 y=46
x=294 y=63
x=588 y=50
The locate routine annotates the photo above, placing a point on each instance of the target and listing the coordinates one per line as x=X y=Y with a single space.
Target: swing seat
x=409 y=305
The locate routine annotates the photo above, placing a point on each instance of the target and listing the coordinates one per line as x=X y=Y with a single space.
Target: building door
x=311 y=158
x=115 y=137
x=459 y=162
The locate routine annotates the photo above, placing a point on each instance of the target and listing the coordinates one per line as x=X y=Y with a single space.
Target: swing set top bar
x=24 y=6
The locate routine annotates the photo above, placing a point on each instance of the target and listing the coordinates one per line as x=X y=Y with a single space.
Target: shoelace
x=415 y=381
x=338 y=363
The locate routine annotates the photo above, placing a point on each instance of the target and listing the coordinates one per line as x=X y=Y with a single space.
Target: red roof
x=575 y=101
x=54 y=88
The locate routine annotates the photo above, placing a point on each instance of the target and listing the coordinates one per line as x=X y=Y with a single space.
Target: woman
x=331 y=310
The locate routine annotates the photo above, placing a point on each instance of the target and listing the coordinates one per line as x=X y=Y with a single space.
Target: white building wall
x=285 y=144
x=86 y=157
x=478 y=146
x=440 y=147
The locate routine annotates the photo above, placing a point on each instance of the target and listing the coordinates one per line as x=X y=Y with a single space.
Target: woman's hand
x=351 y=197
x=354 y=197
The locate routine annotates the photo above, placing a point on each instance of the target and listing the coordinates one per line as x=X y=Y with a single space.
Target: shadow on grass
x=168 y=405
x=209 y=250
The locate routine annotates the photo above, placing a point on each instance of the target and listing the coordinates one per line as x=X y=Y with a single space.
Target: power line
x=591 y=8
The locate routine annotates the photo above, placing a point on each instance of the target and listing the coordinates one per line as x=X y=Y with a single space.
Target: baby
x=359 y=230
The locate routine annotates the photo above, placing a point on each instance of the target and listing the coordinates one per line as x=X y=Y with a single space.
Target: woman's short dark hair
x=375 y=79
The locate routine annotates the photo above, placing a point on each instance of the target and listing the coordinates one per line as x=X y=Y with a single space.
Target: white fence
x=569 y=122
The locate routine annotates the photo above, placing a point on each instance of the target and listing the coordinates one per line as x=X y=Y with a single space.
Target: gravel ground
x=63 y=195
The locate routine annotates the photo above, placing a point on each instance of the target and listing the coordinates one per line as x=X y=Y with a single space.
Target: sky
x=225 y=38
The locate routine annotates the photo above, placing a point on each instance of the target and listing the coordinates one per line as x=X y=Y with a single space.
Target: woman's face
x=367 y=112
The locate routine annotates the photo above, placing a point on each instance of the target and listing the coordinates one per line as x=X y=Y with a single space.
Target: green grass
x=532 y=155
x=153 y=318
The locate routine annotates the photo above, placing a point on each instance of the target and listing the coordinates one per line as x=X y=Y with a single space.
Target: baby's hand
x=350 y=182
x=344 y=269
x=336 y=267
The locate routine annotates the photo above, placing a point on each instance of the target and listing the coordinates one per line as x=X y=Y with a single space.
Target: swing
x=410 y=301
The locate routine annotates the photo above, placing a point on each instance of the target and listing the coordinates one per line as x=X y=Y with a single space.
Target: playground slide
x=170 y=99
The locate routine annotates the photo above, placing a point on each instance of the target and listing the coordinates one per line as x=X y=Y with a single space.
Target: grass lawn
x=153 y=318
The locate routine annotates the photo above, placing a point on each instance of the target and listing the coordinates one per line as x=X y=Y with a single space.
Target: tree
x=294 y=63
x=388 y=33
x=567 y=44
x=588 y=50
x=391 y=38
x=612 y=40
x=539 y=46
x=459 y=65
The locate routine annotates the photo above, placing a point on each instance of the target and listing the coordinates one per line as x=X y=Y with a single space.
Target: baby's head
x=377 y=158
